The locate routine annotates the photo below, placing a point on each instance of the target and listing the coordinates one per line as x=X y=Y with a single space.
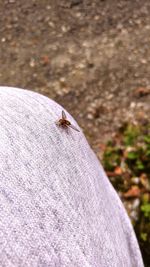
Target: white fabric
x=57 y=207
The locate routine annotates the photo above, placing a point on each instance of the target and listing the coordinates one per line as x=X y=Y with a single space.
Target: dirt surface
x=93 y=57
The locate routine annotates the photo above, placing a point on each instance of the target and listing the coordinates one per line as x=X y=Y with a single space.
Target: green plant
x=145 y=208
x=126 y=160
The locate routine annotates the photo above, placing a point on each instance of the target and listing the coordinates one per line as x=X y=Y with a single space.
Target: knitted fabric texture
x=57 y=207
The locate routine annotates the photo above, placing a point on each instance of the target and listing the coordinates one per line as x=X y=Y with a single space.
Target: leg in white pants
x=57 y=207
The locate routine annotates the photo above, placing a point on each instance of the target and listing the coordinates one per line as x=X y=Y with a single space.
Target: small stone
x=3 y=40
x=62 y=79
x=89 y=116
x=48 y=7
x=66 y=90
x=9 y=26
x=96 y=17
x=12 y=72
x=32 y=63
x=64 y=28
x=81 y=66
x=78 y=14
x=135 y=180
x=147 y=27
x=51 y=24
x=119 y=26
x=134 y=215
x=136 y=75
x=110 y=96
x=143 y=61
x=136 y=203
x=138 y=21
x=132 y=105
x=129 y=149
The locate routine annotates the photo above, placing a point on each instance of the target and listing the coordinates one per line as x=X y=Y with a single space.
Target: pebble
x=3 y=40
x=51 y=24
x=81 y=66
x=96 y=17
x=65 y=28
x=136 y=203
x=48 y=7
x=89 y=116
x=32 y=63
x=132 y=105
x=143 y=61
x=135 y=180
x=78 y=14
x=134 y=215
x=62 y=79
x=110 y=96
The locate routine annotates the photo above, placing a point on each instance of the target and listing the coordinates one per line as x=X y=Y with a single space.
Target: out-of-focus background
x=92 y=57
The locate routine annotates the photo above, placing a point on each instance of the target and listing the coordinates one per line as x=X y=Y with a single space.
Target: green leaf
x=140 y=165
x=148 y=153
x=147 y=139
x=146 y=210
x=132 y=155
x=144 y=236
x=130 y=135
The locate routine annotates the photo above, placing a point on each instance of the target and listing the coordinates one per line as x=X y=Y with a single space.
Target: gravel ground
x=93 y=57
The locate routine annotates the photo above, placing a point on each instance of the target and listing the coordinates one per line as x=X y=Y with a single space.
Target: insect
x=63 y=122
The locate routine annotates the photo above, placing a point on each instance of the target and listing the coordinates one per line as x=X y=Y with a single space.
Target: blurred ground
x=93 y=57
